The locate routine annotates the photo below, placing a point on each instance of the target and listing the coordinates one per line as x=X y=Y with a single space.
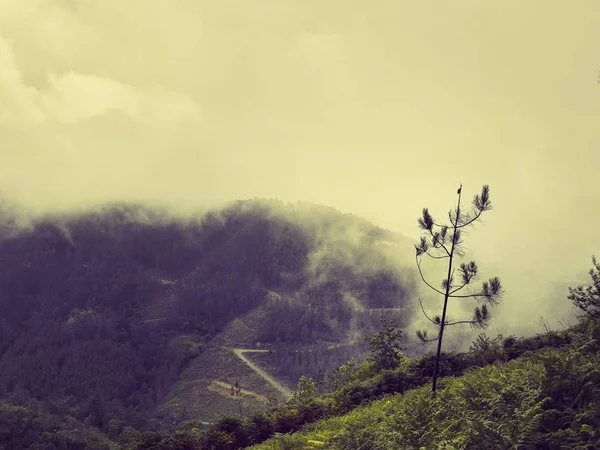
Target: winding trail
x=287 y=393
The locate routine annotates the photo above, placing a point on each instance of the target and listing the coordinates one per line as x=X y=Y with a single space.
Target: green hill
x=128 y=327
x=541 y=392
x=123 y=314
x=547 y=399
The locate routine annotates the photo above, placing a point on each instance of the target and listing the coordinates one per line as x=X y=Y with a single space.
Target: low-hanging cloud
x=72 y=97
x=379 y=111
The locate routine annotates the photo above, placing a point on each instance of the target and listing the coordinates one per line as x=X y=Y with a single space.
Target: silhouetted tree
x=448 y=247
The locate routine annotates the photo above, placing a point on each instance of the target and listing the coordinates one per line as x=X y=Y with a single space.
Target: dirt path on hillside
x=287 y=393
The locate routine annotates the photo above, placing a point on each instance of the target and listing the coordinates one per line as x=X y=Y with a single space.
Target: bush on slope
x=548 y=399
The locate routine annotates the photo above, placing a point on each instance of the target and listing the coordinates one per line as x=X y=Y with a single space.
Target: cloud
x=19 y=102
x=78 y=128
x=379 y=111
x=74 y=97
x=316 y=52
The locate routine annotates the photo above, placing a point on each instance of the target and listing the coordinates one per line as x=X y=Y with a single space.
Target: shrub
x=485 y=351
x=588 y=299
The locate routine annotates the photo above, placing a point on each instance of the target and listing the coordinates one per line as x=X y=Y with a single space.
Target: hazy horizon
x=374 y=109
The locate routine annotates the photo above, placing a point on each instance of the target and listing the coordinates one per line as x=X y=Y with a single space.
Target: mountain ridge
x=115 y=302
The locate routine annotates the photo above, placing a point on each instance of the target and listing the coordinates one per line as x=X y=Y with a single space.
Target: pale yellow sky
x=376 y=108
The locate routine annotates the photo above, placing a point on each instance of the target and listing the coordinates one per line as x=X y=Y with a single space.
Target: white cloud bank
x=379 y=110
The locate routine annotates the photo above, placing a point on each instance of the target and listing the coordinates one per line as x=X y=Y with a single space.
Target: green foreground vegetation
x=541 y=392
x=114 y=355
x=547 y=399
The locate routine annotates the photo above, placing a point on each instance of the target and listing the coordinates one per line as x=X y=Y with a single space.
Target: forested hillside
x=103 y=310
x=540 y=392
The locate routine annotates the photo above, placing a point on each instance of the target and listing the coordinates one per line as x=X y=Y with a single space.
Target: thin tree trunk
x=439 y=347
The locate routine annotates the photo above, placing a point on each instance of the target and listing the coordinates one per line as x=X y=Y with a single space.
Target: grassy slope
x=545 y=399
x=541 y=392
x=199 y=393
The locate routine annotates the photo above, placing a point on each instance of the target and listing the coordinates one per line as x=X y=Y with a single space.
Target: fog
x=375 y=108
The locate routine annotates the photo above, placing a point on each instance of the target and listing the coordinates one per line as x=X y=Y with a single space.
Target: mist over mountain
x=131 y=298
x=104 y=309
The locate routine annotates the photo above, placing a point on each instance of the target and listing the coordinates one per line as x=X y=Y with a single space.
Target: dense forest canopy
x=93 y=303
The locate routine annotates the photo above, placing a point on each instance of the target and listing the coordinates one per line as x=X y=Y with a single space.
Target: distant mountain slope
x=106 y=308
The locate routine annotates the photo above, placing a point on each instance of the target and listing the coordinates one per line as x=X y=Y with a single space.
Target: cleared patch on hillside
x=244 y=330
x=160 y=302
x=225 y=390
x=200 y=393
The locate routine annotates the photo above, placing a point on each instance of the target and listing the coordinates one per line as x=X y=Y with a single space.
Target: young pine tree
x=385 y=345
x=448 y=247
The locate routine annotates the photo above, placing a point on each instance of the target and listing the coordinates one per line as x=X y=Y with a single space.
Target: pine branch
x=425 y=281
x=490 y=291
x=422 y=335
x=422 y=309
x=436 y=239
x=438 y=256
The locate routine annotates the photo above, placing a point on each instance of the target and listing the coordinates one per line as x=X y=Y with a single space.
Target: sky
x=375 y=108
